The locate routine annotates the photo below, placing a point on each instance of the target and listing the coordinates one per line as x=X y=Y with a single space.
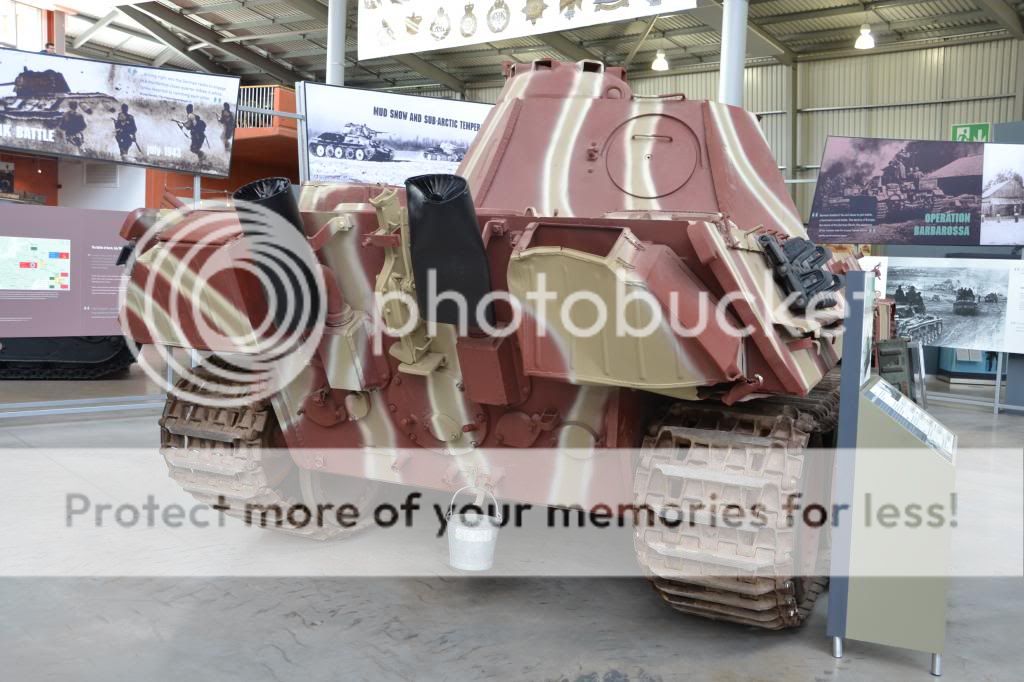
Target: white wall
x=129 y=194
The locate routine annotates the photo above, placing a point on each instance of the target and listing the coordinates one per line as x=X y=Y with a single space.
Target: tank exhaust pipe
x=445 y=239
x=284 y=259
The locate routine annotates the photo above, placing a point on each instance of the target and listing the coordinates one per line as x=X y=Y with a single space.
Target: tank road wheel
x=236 y=458
x=349 y=153
x=360 y=155
x=742 y=455
x=330 y=151
x=319 y=150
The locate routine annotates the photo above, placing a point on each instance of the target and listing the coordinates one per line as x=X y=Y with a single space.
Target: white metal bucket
x=472 y=536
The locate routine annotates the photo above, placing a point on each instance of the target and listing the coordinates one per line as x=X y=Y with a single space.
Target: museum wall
x=123 y=190
x=35 y=175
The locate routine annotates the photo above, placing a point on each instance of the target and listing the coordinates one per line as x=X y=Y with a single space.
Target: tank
x=446 y=151
x=41 y=97
x=574 y=178
x=356 y=141
x=966 y=302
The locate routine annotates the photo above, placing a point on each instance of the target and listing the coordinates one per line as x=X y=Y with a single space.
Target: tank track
x=748 y=454
x=67 y=371
x=233 y=459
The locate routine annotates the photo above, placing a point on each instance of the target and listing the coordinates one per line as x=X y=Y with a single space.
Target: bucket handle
x=485 y=491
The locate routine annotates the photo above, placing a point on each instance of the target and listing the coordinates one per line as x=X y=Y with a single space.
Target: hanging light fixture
x=659 y=63
x=865 y=41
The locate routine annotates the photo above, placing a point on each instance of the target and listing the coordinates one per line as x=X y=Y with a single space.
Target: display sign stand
x=889 y=584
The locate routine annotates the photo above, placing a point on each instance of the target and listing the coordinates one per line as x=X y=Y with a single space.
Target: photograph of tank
x=882 y=191
x=368 y=136
x=136 y=115
x=1002 y=196
x=960 y=304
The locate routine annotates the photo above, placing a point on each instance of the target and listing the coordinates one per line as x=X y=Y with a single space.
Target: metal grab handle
x=485 y=491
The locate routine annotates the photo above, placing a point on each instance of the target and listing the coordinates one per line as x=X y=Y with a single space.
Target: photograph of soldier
x=195 y=127
x=227 y=122
x=125 y=131
x=72 y=125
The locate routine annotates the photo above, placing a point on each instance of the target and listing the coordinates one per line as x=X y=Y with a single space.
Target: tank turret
x=47 y=83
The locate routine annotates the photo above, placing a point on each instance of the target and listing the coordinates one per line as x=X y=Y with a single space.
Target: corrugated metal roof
x=809 y=27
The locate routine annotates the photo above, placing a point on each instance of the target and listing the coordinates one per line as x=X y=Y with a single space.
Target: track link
x=233 y=458
x=703 y=457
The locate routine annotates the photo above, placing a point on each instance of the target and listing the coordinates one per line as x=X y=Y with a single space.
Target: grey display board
x=58 y=271
x=366 y=136
x=65 y=106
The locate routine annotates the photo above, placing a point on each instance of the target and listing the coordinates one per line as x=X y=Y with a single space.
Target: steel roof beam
x=168 y=38
x=430 y=71
x=116 y=27
x=1004 y=15
x=569 y=48
x=199 y=32
x=884 y=28
x=98 y=26
x=843 y=10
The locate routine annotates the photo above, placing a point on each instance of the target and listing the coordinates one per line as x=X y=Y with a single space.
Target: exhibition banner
x=971 y=303
x=882 y=191
x=63 y=106
x=390 y=27
x=367 y=136
x=58 y=271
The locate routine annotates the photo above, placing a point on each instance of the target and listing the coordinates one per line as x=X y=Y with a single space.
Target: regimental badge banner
x=883 y=191
x=368 y=136
x=64 y=106
x=390 y=27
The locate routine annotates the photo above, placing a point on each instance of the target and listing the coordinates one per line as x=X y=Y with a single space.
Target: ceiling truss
x=245 y=37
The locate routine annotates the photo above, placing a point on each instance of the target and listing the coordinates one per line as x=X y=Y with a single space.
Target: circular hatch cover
x=651 y=156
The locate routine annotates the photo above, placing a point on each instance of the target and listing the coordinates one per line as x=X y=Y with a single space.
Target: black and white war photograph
x=951 y=304
x=369 y=136
x=1002 y=196
x=168 y=119
x=885 y=191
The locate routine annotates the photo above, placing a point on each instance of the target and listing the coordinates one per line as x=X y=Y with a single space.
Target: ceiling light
x=660 y=63
x=865 y=41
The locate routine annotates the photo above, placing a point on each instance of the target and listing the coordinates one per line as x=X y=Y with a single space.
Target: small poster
x=63 y=106
x=368 y=137
x=971 y=303
x=1002 y=196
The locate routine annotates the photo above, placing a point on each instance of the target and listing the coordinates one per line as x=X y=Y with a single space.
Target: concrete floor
x=351 y=628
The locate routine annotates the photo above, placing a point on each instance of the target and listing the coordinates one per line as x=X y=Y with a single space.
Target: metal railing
x=256 y=97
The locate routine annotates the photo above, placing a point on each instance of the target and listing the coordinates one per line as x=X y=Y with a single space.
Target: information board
x=175 y=120
x=971 y=303
x=367 y=136
x=884 y=191
x=58 y=271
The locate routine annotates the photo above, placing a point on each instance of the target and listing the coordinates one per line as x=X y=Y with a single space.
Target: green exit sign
x=971 y=132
